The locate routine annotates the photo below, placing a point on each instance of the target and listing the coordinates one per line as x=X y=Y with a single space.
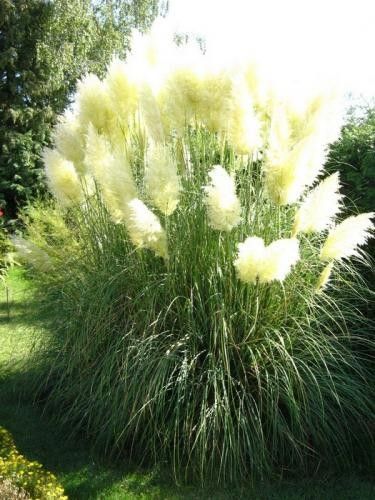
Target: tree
x=45 y=46
x=353 y=154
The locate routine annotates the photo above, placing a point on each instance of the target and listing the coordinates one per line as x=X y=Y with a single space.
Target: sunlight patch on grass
x=17 y=333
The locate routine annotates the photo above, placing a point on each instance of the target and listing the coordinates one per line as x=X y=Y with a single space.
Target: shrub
x=210 y=330
x=20 y=476
x=353 y=154
x=10 y=492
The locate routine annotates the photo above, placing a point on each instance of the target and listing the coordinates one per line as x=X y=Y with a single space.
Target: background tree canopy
x=45 y=46
x=353 y=154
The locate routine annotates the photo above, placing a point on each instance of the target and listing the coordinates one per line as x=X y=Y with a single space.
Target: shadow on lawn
x=17 y=318
x=83 y=473
x=35 y=435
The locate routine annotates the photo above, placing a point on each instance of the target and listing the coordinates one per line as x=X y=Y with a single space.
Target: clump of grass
x=212 y=330
x=192 y=364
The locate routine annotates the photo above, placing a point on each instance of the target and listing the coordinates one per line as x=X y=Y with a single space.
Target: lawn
x=84 y=473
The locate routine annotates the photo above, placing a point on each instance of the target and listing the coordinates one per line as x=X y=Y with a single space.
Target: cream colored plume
x=298 y=140
x=178 y=100
x=345 y=238
x=208 y=95
x=144 y=228
x=121 y=90
x=31 y=253
x=251 y=254
x=320 y=207
x=150 y=114
x=94 y=104
x=214 y=99
x=243 y=126
x=284 y=162
x=244 y=135
x=196 y=91
x=223 y=206
x=267 y=264
x=113 y=174
x=161 y=179
x=311 y=112
x=258 y=84
x=280 y=256
x=62 y=177
x=97 y=153
x=284 y=174
x=324 y=278
x=69 y=139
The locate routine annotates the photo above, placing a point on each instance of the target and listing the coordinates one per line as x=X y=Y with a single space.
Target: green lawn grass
x=84 y=473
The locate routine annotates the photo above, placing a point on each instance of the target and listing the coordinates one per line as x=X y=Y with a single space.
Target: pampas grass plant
x=194 y=317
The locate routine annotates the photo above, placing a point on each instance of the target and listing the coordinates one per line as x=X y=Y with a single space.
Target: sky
x=305 y=39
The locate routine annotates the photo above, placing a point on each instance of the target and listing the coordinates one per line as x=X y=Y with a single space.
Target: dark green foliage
x=44 y=48
x=354 y=156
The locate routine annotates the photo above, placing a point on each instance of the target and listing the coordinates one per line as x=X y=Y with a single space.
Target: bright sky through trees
x=313 y=39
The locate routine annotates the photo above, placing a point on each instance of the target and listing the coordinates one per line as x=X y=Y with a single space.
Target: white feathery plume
x=324 y=278
x=345 y=238
x=161 y=179
x=280 y=256
x=150 y=114
x=145 y=229
x=112 y=172
x=62 y=177
x=223 y=206
x=244 y=130
x=122 y=90
x=297 y=146
x=251 y=254
x=95 y=105
x=69 y=139
x=320 y=207
x=257 y=262
x=285 y=160
x=31 y=253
